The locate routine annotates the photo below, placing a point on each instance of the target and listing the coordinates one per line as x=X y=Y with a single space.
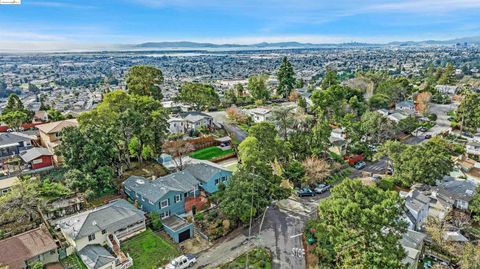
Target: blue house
x=209 y=174
x=166 y=195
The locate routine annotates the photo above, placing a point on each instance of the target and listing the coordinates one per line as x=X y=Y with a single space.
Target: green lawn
x=210 y=153
x=149 y=250
x=258 y=258
x=73 y=262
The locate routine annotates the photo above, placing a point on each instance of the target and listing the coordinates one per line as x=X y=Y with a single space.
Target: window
x=224 y=179
x=104 y=231
x=164 y=203
x=91 y=237
x=216 y=181
x=177 y=198
x=165 y=214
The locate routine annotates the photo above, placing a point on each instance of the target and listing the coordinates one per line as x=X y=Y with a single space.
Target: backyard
x=210 y=153
x=73 y=262
x=149 y=250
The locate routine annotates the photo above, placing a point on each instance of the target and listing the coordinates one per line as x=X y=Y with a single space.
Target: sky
x=56 y=24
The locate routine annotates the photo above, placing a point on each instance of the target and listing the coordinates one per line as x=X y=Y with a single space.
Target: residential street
x=220 y=118
x=281 y=232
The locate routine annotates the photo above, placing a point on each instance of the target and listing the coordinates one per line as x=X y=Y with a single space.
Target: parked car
x=423 y=129
x=305 y=192
x=321 y=188
x=428 y=136
x=360 y=165
x=373 y=148
x=182 y=262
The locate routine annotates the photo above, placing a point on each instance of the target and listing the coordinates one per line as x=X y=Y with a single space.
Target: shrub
x=387 y=183
x=155 y=221
x=200 y=216
x=432 y=117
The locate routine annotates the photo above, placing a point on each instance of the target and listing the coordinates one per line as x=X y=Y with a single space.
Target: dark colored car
x=428 y=136
x=305 y=192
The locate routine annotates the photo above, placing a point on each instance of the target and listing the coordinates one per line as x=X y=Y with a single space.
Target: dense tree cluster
x=199 y=96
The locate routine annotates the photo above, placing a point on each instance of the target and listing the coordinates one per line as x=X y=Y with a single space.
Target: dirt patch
x=194 y=245
x=146 y=170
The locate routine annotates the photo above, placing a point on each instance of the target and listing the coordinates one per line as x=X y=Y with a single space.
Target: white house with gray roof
x=88 y=231
x=187 y=122
x=417 y=207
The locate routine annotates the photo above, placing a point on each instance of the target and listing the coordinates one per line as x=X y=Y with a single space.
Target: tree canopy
x=145 y=80
x=358 y=227
x=200 y=96
x=257 y=87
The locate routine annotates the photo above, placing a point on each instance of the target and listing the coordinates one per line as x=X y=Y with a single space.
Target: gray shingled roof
x=111 y=217
x=10 y=138
x=417 y=200
x=458 y=189
x=154 y=190
x=95 y=256
x=203 y=171
x=33 y=153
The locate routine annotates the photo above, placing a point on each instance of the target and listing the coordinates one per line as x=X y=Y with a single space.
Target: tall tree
x=422 y=163
x=286 y=78
x=283 y=118
x=376 y=128
x=257 y=87
x=358 y=227
x=145 y=80
x=200 y=96
x=469 y=111
x=330 y=79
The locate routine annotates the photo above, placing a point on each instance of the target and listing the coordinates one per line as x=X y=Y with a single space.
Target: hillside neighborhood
x=326 y=173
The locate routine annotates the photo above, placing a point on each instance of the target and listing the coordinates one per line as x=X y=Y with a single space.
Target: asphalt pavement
x=281 y=232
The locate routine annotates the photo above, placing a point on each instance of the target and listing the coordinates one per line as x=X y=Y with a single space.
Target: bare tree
x=178 y=150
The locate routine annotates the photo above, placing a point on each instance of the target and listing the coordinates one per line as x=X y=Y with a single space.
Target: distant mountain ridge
x=294 y=44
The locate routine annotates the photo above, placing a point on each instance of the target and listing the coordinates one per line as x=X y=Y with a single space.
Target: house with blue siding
x=167 y=195
x=209 y=174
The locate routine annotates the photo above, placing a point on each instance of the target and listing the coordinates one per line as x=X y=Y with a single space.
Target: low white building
x=186 y=122
x=447 y=89
x=417 y=206
x=260 y=114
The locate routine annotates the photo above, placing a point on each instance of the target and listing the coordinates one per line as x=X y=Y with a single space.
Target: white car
x=182 y=262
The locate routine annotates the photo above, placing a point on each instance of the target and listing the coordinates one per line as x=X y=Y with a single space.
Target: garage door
x=184 y=236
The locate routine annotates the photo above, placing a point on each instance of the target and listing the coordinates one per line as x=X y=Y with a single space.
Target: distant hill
x=196 y=45
x=469 y=40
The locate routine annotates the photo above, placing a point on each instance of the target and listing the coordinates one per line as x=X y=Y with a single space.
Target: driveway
x=220 y=118
x=281 y=232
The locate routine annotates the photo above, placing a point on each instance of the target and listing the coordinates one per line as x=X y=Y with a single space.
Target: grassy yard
x=73 y=262
x=149 y=250
x=210 y=153
x=258 y=258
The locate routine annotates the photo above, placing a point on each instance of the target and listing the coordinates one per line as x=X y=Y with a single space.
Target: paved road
x=281 y=232
x=220 y=118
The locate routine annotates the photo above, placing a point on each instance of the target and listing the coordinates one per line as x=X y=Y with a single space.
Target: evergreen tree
x=286 y=78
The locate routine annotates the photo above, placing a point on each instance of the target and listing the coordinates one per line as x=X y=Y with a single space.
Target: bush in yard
x=432 y=117
x=200 y=216
x=156 y=222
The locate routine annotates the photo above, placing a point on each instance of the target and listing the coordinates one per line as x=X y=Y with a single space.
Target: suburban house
x=173 y=195
x=397 y=116
x=413 y=244
x=209 y=174
x=6 y=184
x=187 y=122
x=260 y=114
x=446 y=89
x=457 y=193
x=37 y=158
x=338 y=141
x=40 y=116
x=11 y=144
x=165 y=196
x=88 y=232
x=473 y=148
x=417 y=206
x=50 y=134
x=407 y=105
x=22 y=250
